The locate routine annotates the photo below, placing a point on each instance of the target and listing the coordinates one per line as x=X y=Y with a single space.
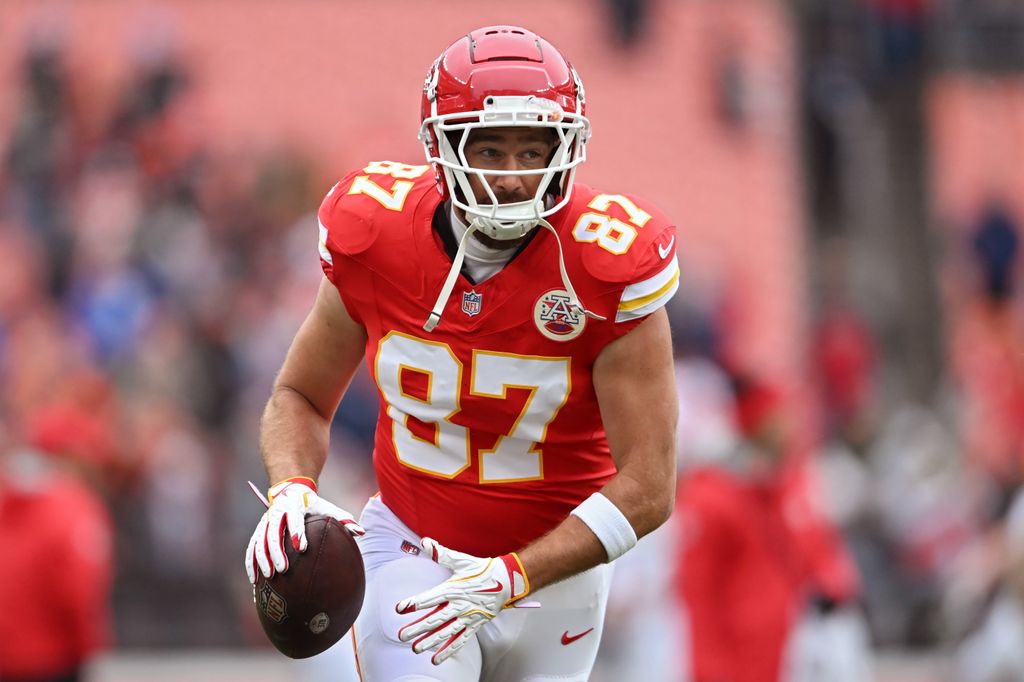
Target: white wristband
x=609 y=524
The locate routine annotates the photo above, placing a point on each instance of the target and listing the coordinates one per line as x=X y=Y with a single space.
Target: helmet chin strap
x=501 y=230
x=515 y=223
x=449 y=283
x=574 y=300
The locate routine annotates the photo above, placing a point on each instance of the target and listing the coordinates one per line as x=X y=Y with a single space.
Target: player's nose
x=510 y=185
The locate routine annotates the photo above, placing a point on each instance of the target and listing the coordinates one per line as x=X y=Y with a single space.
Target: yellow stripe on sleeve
x=644 y=300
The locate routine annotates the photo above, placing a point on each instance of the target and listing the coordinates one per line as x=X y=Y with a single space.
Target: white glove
x=291 y=501
x=477 y=592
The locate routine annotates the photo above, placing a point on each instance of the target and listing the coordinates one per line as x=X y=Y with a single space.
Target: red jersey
x=741 y=576
x=58 y=575
x=492 y=416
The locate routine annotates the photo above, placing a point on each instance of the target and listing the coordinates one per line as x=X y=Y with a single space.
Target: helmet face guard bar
x=510 y=220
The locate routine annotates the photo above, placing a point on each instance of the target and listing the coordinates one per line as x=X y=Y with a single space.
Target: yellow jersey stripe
x=644 y=300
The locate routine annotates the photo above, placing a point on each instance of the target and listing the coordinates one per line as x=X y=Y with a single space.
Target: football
x=308 y=608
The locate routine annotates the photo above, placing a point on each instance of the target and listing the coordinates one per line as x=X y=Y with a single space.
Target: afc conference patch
x=471 y=302
x=556 y=318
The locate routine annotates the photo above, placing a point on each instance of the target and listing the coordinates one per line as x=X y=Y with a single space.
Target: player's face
x=509 y=149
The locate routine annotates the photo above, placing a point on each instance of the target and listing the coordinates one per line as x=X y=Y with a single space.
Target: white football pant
x=557 y=641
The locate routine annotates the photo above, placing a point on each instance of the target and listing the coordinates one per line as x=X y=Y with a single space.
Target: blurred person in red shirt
x=741 y=575
x=845 y=360
x=59 y=579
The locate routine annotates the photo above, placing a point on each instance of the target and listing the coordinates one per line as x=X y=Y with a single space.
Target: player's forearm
x=569 y=549
x=293 y=436
x=645 y=499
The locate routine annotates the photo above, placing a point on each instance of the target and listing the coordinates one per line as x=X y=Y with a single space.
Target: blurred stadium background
x=847 y=179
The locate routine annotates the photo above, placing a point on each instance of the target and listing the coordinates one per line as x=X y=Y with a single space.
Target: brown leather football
x=308 y=608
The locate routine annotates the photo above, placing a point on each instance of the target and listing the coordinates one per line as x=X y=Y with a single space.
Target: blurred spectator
x=46 y=131
x=830 y=646
x=706 y=431
x=60 y=572
x=927 y=503
x=763 y=569
x=740 y=573
x=845 y=360
x=627 y=20
x=830 y=642
x=989 y=368
x=732 y=89
x=987 y=355
x=993 y=574
x=996 y=244
x=178 y=492
x=901 y=27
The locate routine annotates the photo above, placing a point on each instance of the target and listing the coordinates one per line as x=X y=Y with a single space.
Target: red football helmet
x=501 y=76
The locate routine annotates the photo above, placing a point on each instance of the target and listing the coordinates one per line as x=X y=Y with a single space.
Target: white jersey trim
x=325 y=253
x=643 y=298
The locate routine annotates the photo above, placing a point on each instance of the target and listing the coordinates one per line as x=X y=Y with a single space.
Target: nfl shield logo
x=471 y=302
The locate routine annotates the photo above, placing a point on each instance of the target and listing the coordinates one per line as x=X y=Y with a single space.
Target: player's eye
x=533 y=157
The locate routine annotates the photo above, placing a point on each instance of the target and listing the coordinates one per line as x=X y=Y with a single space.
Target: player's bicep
x=325 y=352
x=635 y=384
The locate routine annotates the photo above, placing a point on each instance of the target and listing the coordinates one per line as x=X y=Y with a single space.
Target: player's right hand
x=291 y=501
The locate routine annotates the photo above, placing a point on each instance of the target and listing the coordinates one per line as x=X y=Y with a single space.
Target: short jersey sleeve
x=633 y=250
x=346 y=228
x=655 y=279
x=363 y=204
x=347 y=224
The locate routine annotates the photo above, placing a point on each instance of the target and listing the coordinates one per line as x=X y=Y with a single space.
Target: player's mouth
x=512 y=198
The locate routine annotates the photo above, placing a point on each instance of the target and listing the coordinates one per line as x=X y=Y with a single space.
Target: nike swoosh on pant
x=567 y=640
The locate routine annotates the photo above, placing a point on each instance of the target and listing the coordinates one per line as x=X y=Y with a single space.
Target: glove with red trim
x=477 y=592
x=291 y=501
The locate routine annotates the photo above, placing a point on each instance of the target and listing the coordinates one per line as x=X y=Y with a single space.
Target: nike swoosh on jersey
x=668 y=248
x=567 y=640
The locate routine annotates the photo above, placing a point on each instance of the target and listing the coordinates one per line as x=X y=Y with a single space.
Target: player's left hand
x=477 y=591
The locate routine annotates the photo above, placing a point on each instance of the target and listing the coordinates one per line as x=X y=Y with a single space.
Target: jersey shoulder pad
x=367 y=202
x=626 y=242
x=620 y=237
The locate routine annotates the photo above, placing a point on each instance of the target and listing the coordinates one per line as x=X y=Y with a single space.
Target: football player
x=514 y=324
